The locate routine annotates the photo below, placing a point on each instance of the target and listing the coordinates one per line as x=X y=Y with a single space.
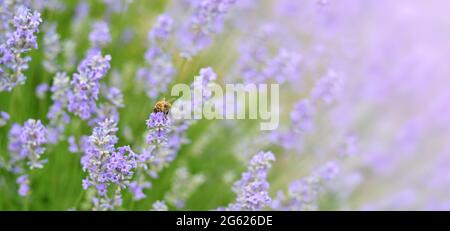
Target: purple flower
x=302 y=116
x=159 y=206
x=52 y=47
x=285 y=66
x=303 y=194
x=329 y=171
x=349 y=147
x=137 y=189
x=41 y=90
x=86 y=85
x=328 y=88
x=4 y=117
x=206 y=20
x=24 y=185
x=57 y=113
x=201 y=83
x=159 y=125
x=20 y=41
x=100 y=35
x=108 y=109
x=161 y=30
x=263 y=59
x=26 y=142
x=252 y=188
x=159 y=70
x=73 y=146
x=107 y=165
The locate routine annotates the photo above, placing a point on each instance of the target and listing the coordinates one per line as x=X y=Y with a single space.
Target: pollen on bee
x=162 y=106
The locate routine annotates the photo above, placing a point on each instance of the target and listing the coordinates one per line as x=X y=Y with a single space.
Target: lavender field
x=357 y=100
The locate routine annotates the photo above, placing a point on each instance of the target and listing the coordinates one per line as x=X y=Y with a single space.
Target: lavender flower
x=4 y=117
x=258 y=63
x=52 y=47
x=302 y=116
x=69 y=54
x=107 y=165
x=166 y=137
x=327 y=88
x=159 y=71
x=26 y=142
x=303 y=194
x=24 y=185
x=349 y=146
x=22 y=40
x=57 y=113
x=86 y=85
x=162 y=30
x=109 y=108
x=252 y=188
x=73 y=146
x=205 y=21
x=41 y=90
x=159 y=125
x=159 y=206
x=137 y=189
x=201 y=86
x=100 y=35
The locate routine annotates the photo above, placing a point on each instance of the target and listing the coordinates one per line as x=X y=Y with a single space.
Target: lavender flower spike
x=252 y=188
x=26 y=142
x=159 y=70
x=100 y=35
x=327 y=88
x=4 y=117
x=159 y=124
x=206 y=20
x=159 y=206
x=24 y=185
x=86 y=84
x=107 y=165
x=52 y=47
x=22 y=40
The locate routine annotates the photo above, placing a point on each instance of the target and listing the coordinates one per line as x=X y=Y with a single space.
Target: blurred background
x=374 y=75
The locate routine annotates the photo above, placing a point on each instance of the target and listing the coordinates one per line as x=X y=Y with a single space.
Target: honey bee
x=162 y=106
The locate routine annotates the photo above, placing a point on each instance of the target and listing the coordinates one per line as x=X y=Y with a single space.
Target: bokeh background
x=387 y=126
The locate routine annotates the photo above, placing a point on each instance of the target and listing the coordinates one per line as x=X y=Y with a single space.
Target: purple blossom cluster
x=367 y=130
x=100 y=35
x=159 y=125
x=57 y=113
x=159 y=206
x=27 y=143
x=258 y=63
x=52 y=47
x=107 y=166
x=26 y=146
x=85 y=85
x=207 y=19
x=18 y=42
x=4 y=117
x=328 y=88
x=303 y=194
x=252 y=189
x=108 y=109
x=24 y=185
x=159 y=71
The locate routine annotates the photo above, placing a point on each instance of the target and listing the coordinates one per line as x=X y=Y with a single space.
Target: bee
x=162 y=106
